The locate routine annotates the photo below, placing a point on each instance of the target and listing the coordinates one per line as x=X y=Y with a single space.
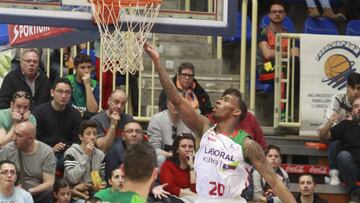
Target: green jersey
x=108 y=195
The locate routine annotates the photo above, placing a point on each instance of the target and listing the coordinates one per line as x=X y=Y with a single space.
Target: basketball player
x=220 y=162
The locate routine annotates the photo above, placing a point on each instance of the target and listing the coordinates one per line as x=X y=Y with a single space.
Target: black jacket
x=317 y=199
x=15 y=81
x=201 y=95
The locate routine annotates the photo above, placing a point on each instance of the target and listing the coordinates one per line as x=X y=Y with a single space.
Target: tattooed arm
x=257 y=157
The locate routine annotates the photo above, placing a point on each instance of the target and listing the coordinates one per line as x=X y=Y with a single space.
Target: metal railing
x=285 y=114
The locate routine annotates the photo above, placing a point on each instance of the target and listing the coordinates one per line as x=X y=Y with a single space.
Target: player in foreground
x=220 y=164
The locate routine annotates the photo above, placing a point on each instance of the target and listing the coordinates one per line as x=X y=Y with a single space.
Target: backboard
x=199 y=17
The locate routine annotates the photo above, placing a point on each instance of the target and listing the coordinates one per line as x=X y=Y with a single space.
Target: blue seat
x=320 y=26
x=4 y=36
x=237 y=36
x=353 y=28
x=287 y=23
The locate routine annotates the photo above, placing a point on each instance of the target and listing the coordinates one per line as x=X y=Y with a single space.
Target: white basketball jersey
x=221 y=172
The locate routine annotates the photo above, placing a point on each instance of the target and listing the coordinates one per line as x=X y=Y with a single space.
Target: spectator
x=266 y=41
x=163 y=129
x=178 y=171
x=262 y=190
x=8 y=191
x=110 y=122
x=249 y=124
x=348 y=157
x=92 y=200
x=116 y=182
x=306 y=189
x=82 y=161
x=194 y=93
x=131 y=134
x=327 y=11
x=35 y=160
x=266 y=54
x=61 y=192
x=58 y=122
x=85 y=91
x=28 y=78
x=338 y=110
x=19 y=111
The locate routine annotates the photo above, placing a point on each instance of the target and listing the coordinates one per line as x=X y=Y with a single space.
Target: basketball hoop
x=123 y=27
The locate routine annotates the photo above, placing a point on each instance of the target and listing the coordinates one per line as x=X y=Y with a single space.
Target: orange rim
x=128 y=3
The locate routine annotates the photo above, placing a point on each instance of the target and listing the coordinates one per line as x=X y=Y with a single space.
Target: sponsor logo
x=338 y=61
x=219 y=153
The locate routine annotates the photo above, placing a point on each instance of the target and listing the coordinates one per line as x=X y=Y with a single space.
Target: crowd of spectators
x=59 y=148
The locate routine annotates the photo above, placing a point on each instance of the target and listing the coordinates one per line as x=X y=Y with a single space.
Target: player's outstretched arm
x=256 y=155
x=197 y=123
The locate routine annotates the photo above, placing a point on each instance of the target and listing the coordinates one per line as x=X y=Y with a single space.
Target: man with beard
x=307 y=189
x=348 y=158
x=221 y=170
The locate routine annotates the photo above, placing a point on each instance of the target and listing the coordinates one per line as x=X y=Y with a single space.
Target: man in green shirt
x=139 y=171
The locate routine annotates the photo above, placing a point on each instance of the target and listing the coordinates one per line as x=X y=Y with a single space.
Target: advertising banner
x=326 y=61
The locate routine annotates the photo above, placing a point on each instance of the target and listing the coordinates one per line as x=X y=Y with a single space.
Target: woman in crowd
x=116 y=182
x=262 y=190
x=178 y=171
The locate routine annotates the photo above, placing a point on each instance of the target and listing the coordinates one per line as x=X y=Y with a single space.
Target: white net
x=123 y=31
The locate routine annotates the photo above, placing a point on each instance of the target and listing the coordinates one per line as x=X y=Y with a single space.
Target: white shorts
x=201 y=200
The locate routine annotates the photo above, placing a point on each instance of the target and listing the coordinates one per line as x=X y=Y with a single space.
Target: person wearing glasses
x=28 y=78
x=132 y=133
x=194 y=93
x=19 y=111
x=163 y=128
x=266 y=54
x=35 y=161
x=220 y=166
x=58 y=122
x=8 y=191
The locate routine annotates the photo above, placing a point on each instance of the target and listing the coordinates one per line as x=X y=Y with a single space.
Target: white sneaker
x=334 y=177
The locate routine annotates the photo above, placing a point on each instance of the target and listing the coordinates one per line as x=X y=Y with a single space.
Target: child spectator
x=83 y=161
x=61 y=191
x=92 y=200
x=262 y=190
x=116 y=182
x=85 y=91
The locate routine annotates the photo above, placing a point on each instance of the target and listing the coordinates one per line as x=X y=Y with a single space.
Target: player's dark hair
x=186 y=65
x=270 y=147
x=139 y=162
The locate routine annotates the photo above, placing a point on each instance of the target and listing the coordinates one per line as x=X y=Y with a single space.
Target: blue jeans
x=349 y=170
x=324 y=3
x=332 y=153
